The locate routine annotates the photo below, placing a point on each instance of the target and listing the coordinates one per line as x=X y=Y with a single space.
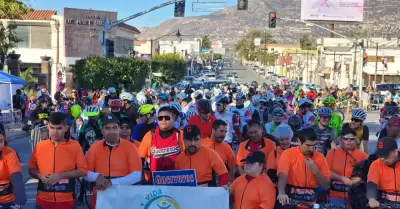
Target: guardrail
x=38 y=134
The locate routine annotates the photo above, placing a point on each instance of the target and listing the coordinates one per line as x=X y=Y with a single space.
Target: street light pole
x=376 y=64
x=360 y=77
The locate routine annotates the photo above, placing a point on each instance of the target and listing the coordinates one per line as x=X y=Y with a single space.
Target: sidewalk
x=15 y=133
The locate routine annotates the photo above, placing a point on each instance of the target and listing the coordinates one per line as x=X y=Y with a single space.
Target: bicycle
x=300 y=204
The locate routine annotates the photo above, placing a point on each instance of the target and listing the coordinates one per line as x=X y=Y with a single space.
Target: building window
x=123 y=45
x=23 y=35
x=34 y=36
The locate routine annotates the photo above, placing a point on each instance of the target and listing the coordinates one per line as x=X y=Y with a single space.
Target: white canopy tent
x=8 y=85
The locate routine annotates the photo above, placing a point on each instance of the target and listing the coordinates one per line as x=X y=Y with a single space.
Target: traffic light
x=272 y=20
x=179 y=9
x=365 y=59
x=109 y=48
x=242 y=4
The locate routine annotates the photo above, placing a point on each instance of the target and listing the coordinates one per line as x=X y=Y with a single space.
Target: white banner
x=332 y=10
x=162 y=197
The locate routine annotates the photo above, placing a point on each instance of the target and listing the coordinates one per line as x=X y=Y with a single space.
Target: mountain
x=229 y=24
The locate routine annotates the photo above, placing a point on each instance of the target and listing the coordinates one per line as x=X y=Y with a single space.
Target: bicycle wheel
x=340 y=113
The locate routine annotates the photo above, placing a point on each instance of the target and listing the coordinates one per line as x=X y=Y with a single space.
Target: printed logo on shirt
x=164 y=152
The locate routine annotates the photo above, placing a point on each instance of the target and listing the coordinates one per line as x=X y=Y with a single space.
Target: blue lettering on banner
x=175 y=178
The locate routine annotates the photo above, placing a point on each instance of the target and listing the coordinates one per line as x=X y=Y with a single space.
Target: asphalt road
x=246 y=74
x=23 y=146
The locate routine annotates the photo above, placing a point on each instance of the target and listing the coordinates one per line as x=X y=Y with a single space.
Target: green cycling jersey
x=335 y=123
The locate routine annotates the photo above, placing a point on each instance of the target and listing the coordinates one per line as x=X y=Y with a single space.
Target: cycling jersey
x=205 y=127
x=89 y=133
x=50 y=159
x=324 y=139
x=308 y=119
x=233 y=122
x=253 y=193
x=301 y=182
x=342 y=162
x=244 y=114
x=245 y=148
x=223 y=149
x=141 y=129
x=205 y=161
x=362 y=134
x=335 y=123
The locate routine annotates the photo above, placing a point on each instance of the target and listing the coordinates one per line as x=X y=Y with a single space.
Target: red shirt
x=205 y=127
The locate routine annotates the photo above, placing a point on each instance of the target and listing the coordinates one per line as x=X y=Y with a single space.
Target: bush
x=171 y=66
x=99 y=72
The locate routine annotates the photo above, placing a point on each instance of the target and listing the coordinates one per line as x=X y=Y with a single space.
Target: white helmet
x=304 y=101
x=255 y=99
x=197 y=93
x=141 y=99
x=358 y=114
x=182 y=95
x=240 y=95
x=126 y=96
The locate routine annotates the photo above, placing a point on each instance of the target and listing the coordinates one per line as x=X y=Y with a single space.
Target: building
x=51 y=43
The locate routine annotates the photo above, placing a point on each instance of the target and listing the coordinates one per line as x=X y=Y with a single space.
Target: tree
x=100 y=72
x=9 y=9
x=28 y=76
x=247 y=50
x=206 y=42
x=172 y=67
x=307 y=42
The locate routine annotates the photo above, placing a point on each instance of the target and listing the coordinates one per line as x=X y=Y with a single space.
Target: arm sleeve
x=144 y=149
x=18 y=188
x=91 y=176
x=365 y=136
x=131 y=178
x=372 y=190
x=267 y=196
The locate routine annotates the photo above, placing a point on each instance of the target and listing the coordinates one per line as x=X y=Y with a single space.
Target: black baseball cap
x=109 y=118
x=348 y=131
x=255 y=156
x=191 y=132
x=385 y=146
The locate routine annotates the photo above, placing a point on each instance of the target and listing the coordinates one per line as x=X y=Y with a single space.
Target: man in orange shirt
x=205 y=161
x=204 y=119
x=255 y=181
x=341 y=161
x=57 y=163
x=283 y=135
x=256 y=143
x=123 y=155
x=217 y=143
x=160 y=147
x=301 y=169
x=384 y=174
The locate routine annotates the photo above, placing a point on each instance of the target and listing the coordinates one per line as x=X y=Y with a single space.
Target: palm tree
x=28 y=76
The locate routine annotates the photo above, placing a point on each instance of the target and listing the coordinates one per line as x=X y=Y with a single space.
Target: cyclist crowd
x=267 y=146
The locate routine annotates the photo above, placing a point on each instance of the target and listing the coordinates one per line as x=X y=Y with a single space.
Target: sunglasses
x=356 y=120
x=349 y=138
x=125 y=127
x=219 y=104
x=167 y=118
x=325 y=117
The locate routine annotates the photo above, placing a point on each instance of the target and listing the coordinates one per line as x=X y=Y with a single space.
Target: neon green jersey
x=335 y=122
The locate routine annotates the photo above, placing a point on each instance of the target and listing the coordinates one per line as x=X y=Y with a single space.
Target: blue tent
x=7 y=78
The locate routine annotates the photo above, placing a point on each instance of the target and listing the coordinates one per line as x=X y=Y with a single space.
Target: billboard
x=82 y=28
x=332 y=10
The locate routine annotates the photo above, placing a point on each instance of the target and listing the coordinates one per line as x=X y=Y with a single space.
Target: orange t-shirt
x=342 y=163
x=204 y=161
x=137 y=144
x=267 y=146
x=205 y=127
x=301 y=182
x=272 y=160
x=50 y=159
x=9 y=164
x=385 y=178
x=254 y=193
x=223 y=149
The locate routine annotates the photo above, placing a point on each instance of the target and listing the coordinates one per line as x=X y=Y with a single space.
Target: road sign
x=204 y=50
x=380 y=58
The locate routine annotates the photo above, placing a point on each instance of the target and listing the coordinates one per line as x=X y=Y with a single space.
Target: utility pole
x=355 y=62
x=360 y=76
x=376 y=64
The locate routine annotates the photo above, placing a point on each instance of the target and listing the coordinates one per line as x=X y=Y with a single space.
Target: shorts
x=41 y=204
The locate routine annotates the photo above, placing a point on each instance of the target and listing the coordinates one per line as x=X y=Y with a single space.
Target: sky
x=125 y=8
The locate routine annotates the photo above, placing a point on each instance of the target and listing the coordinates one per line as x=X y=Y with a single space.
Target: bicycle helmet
x=126 y=96
x=207 y=93
x=182 y=95
x=329 y=100
x=270 y=96
x=280 y=100
x=111 y=90
x=92 y=111
x=115 y=103
x=255 y=99
x=141 y=99
x=391 y=110
x=75 y=111
x=324 y=111
x=240 y=95
x=163 y=97
x=263 y=99
x=147 y=109
x=176 y=106
x=198 y=94
x=303 y=102
x=278 y=112
x=222 y=99
x=295 y=122
x=358 y=114
x=204 y=105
